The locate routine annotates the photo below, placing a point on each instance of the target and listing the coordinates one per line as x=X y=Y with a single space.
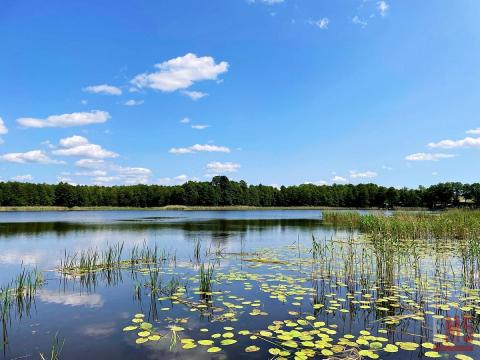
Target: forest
x=221 y=191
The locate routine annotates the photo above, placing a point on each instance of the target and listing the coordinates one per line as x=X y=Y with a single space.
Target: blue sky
x=269 y=91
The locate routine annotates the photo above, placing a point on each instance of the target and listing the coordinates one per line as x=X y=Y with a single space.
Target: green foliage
x=453 y=224
x=224 y=192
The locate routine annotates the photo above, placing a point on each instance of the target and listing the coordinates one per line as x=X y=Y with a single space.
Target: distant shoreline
x=181 y=208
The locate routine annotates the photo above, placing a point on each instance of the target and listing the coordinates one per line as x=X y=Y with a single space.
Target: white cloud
x=199 y=127
x=177 y=180
x=133 y=102
x=383 y=7
x=269 y=2
x=452 y=144
x=80 y=146
x=66 y=120
x=434 y=173
x=472 y=131
x=66 y=179
x=181 y=73
x=319 y=182
x=428 y=156
x=321 y=23
x=362 y=175
x=94 y=173
x=357 y=20
x=216 y=167
x=338 y=179
x=23 y=178
x=185 y=120
x=89 y=163
x=133 y=175
x=104 y=179
x=194 y=95
x=103 y=89
x=71 y=299
x=199 y=148
x=34 y=156
x=3 y=128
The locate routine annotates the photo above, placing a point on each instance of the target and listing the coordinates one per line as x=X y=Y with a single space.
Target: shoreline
x=185 y=208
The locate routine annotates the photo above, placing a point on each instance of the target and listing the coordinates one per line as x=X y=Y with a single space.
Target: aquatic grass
x=18 y=296
x=90 y=261
x=57 y=347
x=454 y=224
x=205 y=278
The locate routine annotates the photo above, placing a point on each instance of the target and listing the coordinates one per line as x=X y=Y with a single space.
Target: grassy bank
x=180 y=208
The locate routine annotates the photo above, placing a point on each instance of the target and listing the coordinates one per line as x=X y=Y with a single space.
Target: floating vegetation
x=396 y=295
x=397 y=288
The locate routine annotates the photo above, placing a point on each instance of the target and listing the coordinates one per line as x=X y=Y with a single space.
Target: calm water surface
x=90 y=314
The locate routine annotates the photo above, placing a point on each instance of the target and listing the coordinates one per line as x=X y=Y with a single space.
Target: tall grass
x=206 y=278
x=90 y=261
x=456 y=224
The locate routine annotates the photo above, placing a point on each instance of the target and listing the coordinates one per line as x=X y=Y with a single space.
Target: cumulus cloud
x=362 y=175
x=66 y=120
x=23 y=178
x=338 y=179
x=80 y=146
x=471 y=131
x=199 y=148
x=428 y=156
x=133 y=175
x=103 y=89
x=33 y=156
x=357 y=20
x=89 y=163
x=321 y=23
x=199 y=127
x=3 y=128
x=194 y=95
x=216 y=167
x=453 y=144
x=93 y=173
x=177 y=180
x=267 y=2
x=181 y=73
x=318 y=182
x=185 y=120
x=383 y=7
x=133 y=102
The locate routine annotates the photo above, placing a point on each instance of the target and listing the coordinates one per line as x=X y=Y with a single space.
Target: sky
x=278 y=92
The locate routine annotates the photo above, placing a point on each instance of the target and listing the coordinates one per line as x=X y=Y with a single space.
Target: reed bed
x=456 y=224
x=92 y=260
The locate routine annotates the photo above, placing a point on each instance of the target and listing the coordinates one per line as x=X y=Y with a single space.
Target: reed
x=206 y=278
x=55 y=351
x=91 y=260
x=455 y=224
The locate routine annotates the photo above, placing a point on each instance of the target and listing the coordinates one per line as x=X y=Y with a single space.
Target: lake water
x=266 y=280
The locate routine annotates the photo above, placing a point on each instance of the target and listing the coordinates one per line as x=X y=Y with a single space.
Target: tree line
x=221 y=191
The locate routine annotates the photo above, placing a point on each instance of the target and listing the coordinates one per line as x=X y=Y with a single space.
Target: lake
x=227 y=285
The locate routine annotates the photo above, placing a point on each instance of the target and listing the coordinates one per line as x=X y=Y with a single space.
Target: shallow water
x=265 y=279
